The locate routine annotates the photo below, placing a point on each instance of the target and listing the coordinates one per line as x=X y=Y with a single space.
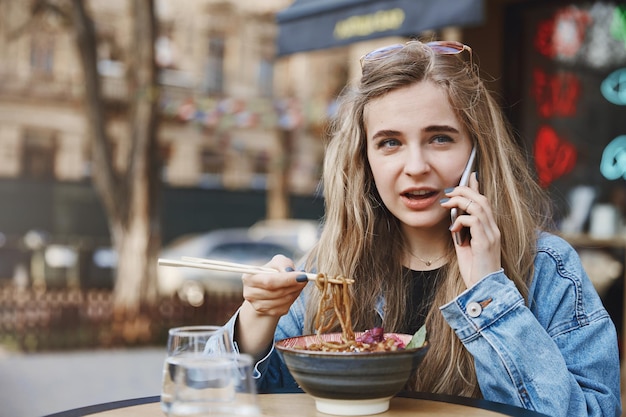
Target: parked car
x=299 y=233
x=233 y=245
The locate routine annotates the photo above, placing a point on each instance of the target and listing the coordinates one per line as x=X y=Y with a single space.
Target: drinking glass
x=193 y=342
x=213 y=385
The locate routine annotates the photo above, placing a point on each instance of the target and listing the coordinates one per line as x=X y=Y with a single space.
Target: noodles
x=334 y=298
x=335 y=304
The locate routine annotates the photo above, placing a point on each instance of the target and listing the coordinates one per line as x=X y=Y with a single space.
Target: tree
x=130 y=195
x=130 y=198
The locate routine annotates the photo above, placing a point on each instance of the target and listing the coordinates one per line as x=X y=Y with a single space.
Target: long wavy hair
x=363 y=240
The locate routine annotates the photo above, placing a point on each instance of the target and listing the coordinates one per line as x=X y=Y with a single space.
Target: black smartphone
x=459 y=237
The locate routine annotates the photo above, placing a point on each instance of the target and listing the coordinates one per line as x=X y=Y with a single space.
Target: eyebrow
x=433 y=128
x=441 y=128
x=386 y=133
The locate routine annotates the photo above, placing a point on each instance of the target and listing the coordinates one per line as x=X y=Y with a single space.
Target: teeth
x=418 y=193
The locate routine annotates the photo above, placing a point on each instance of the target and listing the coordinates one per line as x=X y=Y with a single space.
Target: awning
x=319 y=24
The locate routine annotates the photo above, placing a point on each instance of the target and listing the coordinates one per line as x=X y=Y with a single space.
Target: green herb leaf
x=418 y=339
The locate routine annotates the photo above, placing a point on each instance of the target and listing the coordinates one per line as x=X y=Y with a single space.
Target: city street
x=38 y=384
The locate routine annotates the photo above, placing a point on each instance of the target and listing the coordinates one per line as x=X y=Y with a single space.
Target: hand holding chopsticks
x=187 y=261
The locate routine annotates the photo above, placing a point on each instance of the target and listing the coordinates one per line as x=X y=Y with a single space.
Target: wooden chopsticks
x=215 y=265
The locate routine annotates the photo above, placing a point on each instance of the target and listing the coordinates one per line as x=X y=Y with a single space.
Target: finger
x=468 y=205
x=470 y=202
x=278 y=296
x=481 y=208
x=280 y=263
x=271 y=301
x=275 y=281
x=480 y=217
x=484 y=244
x=473 y=182
x=477 y=216
x=484 y=231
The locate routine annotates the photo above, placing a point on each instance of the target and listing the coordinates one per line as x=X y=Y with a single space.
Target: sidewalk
x=34 y=385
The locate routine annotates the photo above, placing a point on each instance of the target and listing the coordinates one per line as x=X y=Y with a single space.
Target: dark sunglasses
x=439 y=47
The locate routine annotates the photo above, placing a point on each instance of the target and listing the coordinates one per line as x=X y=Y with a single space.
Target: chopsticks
x=215 y=265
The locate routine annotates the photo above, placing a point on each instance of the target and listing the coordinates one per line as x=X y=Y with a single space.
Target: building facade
x=225 y=102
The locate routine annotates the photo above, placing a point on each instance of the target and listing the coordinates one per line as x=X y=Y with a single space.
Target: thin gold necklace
x=427 y=262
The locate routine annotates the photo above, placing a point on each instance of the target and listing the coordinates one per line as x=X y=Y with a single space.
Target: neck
x=425 y=249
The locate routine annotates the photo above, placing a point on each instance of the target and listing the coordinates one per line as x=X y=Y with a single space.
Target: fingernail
x=444 y=200
x=476 y=174
x=448 y=190
x=302 y=278
x=289 y=269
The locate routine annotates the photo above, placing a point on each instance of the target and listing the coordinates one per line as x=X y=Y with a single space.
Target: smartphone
x=459 y=237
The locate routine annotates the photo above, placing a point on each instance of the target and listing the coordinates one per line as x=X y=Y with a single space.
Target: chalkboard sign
x=567 y=87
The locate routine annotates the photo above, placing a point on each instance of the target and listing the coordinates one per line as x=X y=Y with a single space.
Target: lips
x=419 y=199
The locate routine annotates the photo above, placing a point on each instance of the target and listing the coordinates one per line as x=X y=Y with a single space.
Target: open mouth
x=419 y=195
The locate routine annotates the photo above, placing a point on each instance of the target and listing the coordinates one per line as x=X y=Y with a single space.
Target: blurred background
x=138 y=129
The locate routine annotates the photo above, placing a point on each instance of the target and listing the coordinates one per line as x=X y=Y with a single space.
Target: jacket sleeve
x=270 y=372
x=556 y=354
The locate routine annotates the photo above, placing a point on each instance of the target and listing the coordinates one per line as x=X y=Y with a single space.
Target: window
x=212 y=161
x=214 y=71
x=266 y=78
x=42 y=54
x=38 y=154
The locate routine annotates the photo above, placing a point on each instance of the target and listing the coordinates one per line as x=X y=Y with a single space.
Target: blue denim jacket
x=556 y=354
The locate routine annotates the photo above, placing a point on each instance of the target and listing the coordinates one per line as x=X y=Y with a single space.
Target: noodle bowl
x=348 y=373
x=344 y=382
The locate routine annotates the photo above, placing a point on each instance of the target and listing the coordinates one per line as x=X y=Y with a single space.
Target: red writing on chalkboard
x=563 y=34
x=556 y=94
x=554 y=156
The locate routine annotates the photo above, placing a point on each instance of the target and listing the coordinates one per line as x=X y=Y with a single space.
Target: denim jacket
x=556 y=354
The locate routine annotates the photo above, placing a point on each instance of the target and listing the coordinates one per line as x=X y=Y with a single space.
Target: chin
x=421 y=223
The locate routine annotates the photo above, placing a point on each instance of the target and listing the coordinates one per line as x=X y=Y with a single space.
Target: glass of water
x=213 y=385
x=190 y=342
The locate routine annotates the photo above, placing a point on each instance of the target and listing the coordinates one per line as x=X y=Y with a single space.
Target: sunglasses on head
x=438 y=47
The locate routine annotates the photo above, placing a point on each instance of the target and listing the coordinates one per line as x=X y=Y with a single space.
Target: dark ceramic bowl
x=349 y=383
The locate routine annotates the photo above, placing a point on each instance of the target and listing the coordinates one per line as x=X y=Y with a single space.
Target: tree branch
x=39 y=10
x=103 y=174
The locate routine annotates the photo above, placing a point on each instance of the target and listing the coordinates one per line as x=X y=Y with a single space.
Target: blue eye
x=388 y=143
x=442 y=139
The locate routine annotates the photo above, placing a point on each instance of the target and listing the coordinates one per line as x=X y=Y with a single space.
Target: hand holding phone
x=459 y=237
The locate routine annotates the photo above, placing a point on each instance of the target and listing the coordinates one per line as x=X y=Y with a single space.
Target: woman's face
x=416 y=148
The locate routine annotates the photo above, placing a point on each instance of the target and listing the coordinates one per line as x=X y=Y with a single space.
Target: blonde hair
x=361 y=239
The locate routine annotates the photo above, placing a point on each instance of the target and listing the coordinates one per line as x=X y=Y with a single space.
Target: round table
x=406 y=404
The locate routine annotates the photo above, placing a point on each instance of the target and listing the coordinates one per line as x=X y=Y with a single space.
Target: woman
x=510 y=313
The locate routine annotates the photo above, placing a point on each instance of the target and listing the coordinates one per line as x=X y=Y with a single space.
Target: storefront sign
x=319 y=24
x=368 y=24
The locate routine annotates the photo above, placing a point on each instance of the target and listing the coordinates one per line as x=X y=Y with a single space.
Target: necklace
x=427 y=262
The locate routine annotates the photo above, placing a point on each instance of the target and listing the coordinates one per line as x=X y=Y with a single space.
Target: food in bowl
x=350 y=373
x=335 y=304
x=348 y=382
x=373 y=340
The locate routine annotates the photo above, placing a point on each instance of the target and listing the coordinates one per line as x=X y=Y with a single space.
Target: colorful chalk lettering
x=613 y=163
x=554 y=156
x=613 y=88
x=556 y=94
x=618 y=23
x=563 y=34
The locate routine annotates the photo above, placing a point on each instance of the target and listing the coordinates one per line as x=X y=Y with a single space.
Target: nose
x=416 y=162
